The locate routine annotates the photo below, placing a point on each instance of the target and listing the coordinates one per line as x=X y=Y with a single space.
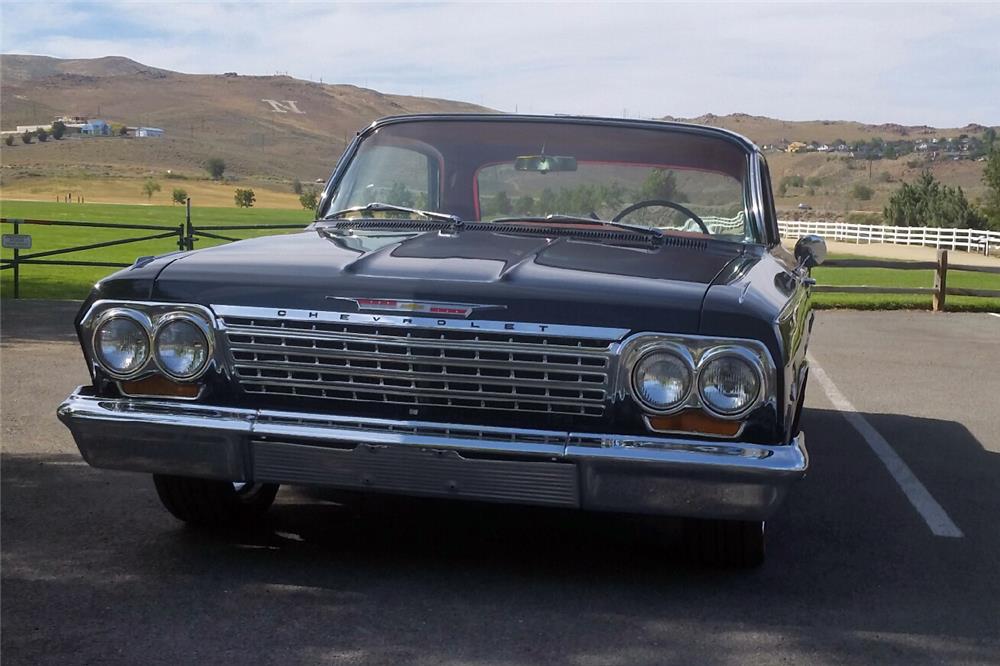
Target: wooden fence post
x=940 y=281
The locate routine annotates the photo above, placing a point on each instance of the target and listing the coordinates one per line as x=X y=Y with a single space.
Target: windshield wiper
x=581 y=219
x=380 y=207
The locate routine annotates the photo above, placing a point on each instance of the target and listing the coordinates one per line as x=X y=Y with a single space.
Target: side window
x=770 y=215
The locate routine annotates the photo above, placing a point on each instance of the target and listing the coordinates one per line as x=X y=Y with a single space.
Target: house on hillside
x=148 y=132
x=96 y=128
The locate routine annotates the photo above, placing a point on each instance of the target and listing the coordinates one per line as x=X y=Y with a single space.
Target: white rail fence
x=970 y=240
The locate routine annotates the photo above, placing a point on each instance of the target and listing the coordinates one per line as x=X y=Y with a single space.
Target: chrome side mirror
x=810 y=251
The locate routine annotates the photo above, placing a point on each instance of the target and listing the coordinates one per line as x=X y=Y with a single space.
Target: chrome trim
x=403 y=305
x=486 y=326
x=633 y=473
x=202 y=326
x=137 y=317
x=754 y=363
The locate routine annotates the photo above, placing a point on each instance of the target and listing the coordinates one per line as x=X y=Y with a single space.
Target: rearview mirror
x=545 y=163
x=810 y=251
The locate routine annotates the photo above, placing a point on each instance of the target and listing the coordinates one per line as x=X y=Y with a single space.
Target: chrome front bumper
x=627 y=473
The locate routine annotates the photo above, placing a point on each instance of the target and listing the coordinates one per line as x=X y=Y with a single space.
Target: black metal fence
x=186 y=233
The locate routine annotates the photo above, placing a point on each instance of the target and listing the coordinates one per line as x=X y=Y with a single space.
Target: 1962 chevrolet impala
x=566 y=312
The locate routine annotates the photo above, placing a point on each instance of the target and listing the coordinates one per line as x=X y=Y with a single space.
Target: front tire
x=726 y=543
x=210 y=503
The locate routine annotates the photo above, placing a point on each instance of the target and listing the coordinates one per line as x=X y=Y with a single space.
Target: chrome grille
x=420 y=366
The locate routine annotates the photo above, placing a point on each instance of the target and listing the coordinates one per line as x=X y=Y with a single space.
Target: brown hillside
x=203 y=115
x=765 y=131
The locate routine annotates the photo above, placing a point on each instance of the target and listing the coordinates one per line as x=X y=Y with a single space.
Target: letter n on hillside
x=284 y=106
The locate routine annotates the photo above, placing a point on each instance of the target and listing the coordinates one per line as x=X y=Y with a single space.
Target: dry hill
x=203 y=115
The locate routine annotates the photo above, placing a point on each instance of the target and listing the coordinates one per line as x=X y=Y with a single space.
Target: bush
x=297 y=186
x=42 y=135
x=215 y=166
x=9 y=139
x=928 y=203
x=27 y=137
x=179 y=195
x=814 y=181
x=150 y=187
x=309 y=199
x=884 y=177
x=244 y=198
x=862 y=192
x=58 y=129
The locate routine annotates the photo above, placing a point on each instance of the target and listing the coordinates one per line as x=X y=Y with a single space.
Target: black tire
x=726 y=543
x=210 y=503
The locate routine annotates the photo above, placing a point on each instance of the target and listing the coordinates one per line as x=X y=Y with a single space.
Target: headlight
x=729 y=384
x=661 y=381
x=121 y=345
x=181 y=347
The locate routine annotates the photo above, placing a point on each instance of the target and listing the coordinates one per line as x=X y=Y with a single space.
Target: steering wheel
x=665 y=203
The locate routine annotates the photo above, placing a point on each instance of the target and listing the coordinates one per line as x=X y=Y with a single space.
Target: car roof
x=706 y=130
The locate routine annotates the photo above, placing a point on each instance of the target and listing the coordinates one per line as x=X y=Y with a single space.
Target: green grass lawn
x=75 y=281
x=885 y=277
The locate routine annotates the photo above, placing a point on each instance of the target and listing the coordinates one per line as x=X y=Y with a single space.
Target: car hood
x=533 y=278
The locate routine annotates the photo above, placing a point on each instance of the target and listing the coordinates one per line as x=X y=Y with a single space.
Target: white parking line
x=933 y=513
x=993 y=314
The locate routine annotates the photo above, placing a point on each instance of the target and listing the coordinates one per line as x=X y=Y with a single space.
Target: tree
x=58 y=129
x=122 y=130
x=525 y=205
x=991 y=178
x=309 y=199
x=9 y=139
x=244 y=198
x=501 y=203
x=399 y=195
x=27 y=137
x=660 y=184
x=928 y=203
x=215 y=166
x=862 y=192
x=297 y=186
x=179 y=195
x=150 y=187
x=42 y=135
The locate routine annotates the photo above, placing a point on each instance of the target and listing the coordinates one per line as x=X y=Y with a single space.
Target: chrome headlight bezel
x=650 y=355
x=151 y=317
x=743 y=355
x=698 y=351
x=138 y=318
x=201 y=326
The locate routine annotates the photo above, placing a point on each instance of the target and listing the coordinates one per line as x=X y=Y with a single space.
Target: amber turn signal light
x=695 y=422
x=156 y=385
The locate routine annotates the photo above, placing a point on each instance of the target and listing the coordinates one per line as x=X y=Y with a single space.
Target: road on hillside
x=886 y=553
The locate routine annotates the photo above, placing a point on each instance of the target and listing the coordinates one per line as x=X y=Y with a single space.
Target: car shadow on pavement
x=93 y=566
x=29 y=320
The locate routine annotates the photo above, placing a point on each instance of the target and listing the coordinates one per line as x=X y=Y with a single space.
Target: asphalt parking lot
x=886 y=553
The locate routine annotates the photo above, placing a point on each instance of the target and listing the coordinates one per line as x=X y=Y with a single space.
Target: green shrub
x=862 y=192
x=244 y=198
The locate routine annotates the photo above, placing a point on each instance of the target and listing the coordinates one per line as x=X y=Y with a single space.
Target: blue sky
x=935 y=64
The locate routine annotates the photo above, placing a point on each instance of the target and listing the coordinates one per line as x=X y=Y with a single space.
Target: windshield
x=670 y=179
